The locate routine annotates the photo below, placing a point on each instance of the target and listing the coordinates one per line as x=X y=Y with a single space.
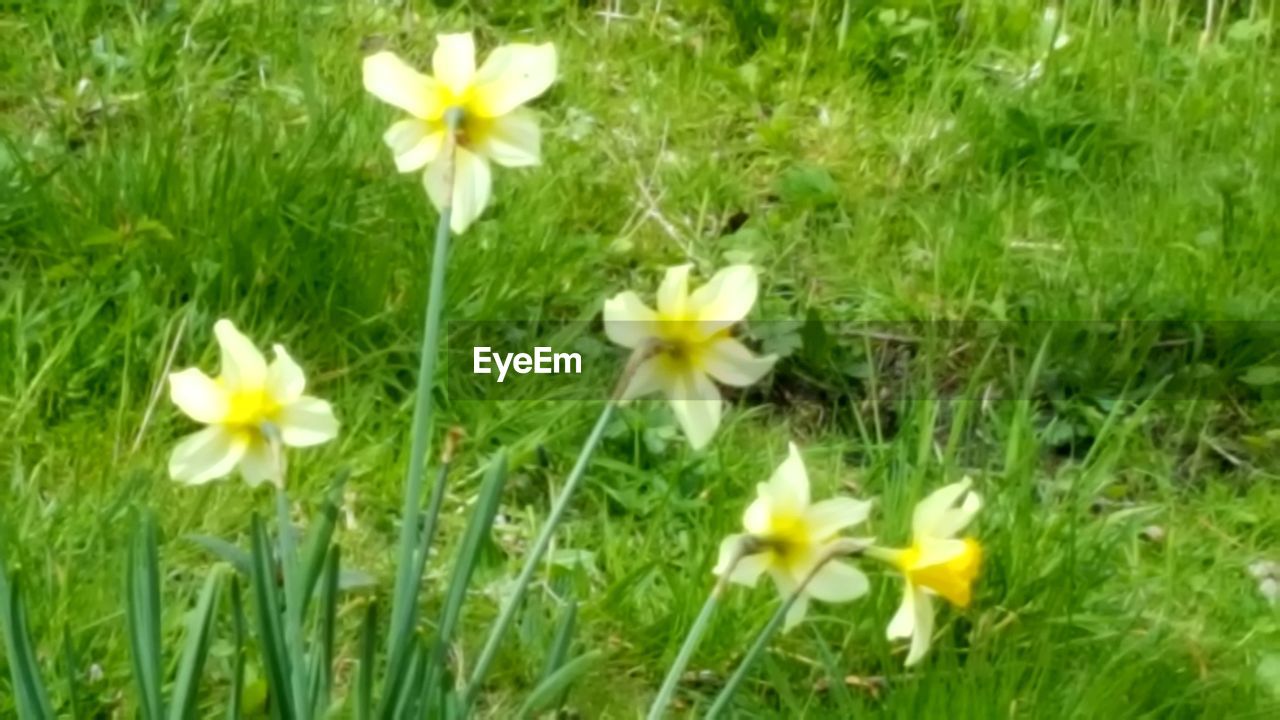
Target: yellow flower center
x=790 y=544
x=952 y=579
x=683 y=345
x=250 y=407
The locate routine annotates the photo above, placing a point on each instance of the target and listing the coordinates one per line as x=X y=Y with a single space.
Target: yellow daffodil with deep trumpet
x=794 y=535
x=937 y=563
x=251 y=409
x=492 y=125
x=690 y=344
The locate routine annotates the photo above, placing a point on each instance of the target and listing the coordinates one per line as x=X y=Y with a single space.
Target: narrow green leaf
x=230 y=553
x=413 y=684
x=397 y=665
x=560 y=646
x=71 y=667
x=478 y=528
x=364 y=674
x=293 y=603
x=30 y=695
x=237 y=670
x=143 y=617
x=320 y=536
x=560 y=642
x=186 y=685
x=321 y=671
x=275 y=654
x=553 y=687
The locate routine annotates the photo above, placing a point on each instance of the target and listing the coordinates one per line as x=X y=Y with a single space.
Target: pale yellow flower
x=794 y=536
x=689 y=336
x=251 y=409
x=494 y=126
x=937 y=563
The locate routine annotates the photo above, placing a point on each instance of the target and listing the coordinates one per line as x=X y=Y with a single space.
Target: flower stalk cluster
x=461 y=120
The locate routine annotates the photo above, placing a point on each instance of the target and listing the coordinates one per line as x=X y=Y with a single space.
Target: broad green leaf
x=30 y=695
x=143 y=617
x=1261 y=375
x=275 y=655
x=186 y=685
x=550 y=689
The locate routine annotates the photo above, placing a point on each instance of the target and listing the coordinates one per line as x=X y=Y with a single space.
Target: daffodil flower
x=794 y=537
x=492 y=124
x=937 y=563
x=251 y=409
x=689 y=339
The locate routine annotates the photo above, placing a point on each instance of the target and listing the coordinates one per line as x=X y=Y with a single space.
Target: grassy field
x=1048 y=265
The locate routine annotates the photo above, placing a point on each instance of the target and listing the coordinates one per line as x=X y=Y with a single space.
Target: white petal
x=673 y=293
x=837 y=582
x=903 y=623
x=923 y=634
x=697 y=413
x=206 y=455
x=308 y=421
x=786 y=586
x=931 y=509
x=726 y=298
x=513 y=75
x=627 y=320
x=260 y=464
x=454 y=62
x=953 y=522
x=512 y=140
x=243 y=366
x=198 y=395
x=935 y=551
x=788 y=488
x=730 y=362
x=392 y=81
x=758 y=517
x=646 y=380
x=413 y=144
x=472 y=184
x=285 y=379
x=828 y=517
x=749 y=568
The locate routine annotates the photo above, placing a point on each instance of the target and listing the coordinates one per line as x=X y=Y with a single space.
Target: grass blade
x=468 y=552
x=143 y=617
x=560 y=646
x=553 y=687
x=237 y=671
x=31 y=698
x=275 y=655
x=71 y=666
x=397 y=667
x=563 y=637
x=364 y=675
x=321 y=671
x=293 y=602
x=227 y=552
x=532 y=559
x=316 y=553
x=186 y=685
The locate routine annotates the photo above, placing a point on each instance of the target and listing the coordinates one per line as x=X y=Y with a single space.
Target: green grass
x=164 y=164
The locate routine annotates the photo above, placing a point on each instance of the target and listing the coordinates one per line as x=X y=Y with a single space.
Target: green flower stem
x=405 y=595
x=668 y=689
x=534 y=556
x=838 y=549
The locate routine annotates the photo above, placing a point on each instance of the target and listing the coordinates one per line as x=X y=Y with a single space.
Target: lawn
x=1039 y=254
